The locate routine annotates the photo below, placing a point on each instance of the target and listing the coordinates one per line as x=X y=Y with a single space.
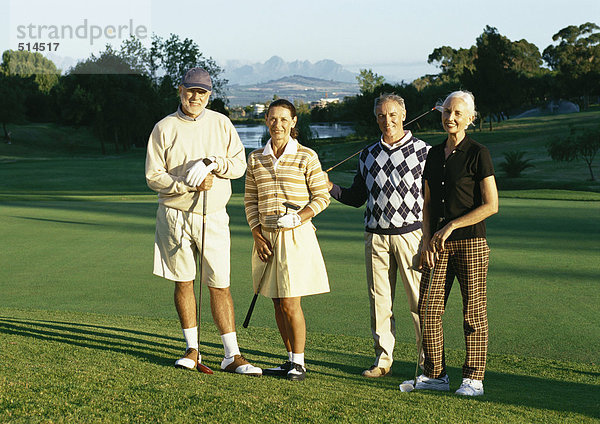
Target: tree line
x=505 y=76
x=121 y=93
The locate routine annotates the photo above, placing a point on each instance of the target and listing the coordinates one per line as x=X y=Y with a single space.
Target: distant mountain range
x=298 y=80
x=295 y=87
x=276 y=67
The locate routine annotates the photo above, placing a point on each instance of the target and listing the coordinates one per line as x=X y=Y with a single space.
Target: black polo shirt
x=454 y=185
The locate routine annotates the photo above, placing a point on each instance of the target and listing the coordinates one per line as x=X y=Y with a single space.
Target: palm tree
x=514 y=164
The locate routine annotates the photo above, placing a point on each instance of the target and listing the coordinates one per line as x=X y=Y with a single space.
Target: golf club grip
x=250 y=309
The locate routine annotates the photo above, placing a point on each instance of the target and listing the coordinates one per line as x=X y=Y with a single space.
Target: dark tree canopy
x=583 y=146
x=12 y=101
x=27 y=80
x=453 y=62
x=171 y=57
x=576 y=59
x=106 y=93
x=26 y=64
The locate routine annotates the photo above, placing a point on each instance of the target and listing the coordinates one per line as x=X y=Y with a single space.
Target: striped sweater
x=297 y=178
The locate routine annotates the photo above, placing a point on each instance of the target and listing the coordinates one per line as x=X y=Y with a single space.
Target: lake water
x=251 y=134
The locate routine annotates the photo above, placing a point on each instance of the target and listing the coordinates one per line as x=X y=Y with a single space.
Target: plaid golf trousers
x=467 y=260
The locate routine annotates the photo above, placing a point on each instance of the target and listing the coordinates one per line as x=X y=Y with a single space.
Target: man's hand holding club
x=200 y=174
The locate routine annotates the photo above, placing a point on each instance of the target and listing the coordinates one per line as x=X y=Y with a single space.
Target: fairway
x=77 y=281
x=88 y=334
x=88 y=254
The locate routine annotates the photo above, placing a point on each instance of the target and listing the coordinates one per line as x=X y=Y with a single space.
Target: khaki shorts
x=178 y=241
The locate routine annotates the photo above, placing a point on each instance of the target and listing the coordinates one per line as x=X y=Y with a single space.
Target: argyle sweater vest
x=393 y=179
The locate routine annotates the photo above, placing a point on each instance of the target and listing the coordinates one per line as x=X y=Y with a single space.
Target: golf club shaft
x=423 y=324
x=260 y=282
x=250 y=310
x=200 y=260
x=287 y=205
x=350 y=157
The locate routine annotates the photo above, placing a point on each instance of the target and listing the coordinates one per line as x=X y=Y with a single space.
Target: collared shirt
x=454 y=185
x=182 y=115
x=407 y=136
x=291 y=148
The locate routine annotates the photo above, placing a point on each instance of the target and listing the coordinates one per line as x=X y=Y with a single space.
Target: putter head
x=406 y=387
x=291 y=206
x=203 y=369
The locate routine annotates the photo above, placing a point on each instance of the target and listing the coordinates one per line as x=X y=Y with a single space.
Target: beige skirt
x=296 y=267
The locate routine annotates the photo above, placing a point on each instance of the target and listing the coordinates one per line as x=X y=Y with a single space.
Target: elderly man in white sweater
x=192 y=156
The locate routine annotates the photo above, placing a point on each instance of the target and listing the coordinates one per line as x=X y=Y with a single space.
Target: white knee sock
x=298 y=358
x=191 y=337
x=230 y=344
x=290 y=356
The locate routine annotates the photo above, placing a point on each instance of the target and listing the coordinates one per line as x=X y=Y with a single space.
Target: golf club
x=201 y=367
x=407 y=387
x=438 y=108
x=287 y=205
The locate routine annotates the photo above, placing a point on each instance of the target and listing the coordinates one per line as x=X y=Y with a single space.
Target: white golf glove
x=197 y=173
x=289 y=220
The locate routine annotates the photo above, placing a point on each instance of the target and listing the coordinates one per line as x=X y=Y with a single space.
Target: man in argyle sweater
x=389 y=180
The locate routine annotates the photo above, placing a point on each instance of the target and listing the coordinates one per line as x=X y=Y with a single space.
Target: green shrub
x=514 y=164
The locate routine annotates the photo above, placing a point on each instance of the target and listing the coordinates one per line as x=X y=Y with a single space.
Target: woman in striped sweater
x=286 y=259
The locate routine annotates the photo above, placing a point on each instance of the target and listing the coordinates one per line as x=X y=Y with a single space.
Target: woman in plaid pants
x=460 y=192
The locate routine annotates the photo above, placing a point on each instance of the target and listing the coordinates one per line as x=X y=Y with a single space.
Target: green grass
x=88 y=253
x=87 y=334
x=78 y=367
x=43 y=140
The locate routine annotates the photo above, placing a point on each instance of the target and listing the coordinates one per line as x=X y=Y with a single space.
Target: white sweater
x=177 y=142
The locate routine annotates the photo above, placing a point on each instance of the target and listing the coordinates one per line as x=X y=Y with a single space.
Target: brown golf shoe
x=239 y=365
x=189 y=361
x=376 y=372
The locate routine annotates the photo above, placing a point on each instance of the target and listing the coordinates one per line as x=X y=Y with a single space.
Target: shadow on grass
x=60 y=221
x=515 y=388
x=542 y=393
x=131 y=342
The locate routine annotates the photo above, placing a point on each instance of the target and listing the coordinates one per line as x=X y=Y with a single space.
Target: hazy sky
x=393 y=37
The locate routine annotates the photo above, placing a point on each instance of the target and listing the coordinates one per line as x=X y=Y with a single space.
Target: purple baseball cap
x=197 y=78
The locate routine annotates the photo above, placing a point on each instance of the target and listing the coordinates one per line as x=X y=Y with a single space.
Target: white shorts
x=178 y=242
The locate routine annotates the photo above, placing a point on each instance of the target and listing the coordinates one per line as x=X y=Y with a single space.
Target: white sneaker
x=470 y=387
x=426 y=383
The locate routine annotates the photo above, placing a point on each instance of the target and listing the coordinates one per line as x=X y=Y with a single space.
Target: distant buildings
x=258 y=110
x=324 y=102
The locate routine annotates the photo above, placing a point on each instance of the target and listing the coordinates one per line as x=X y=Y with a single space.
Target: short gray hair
x=465 y=96
x=388 y=97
